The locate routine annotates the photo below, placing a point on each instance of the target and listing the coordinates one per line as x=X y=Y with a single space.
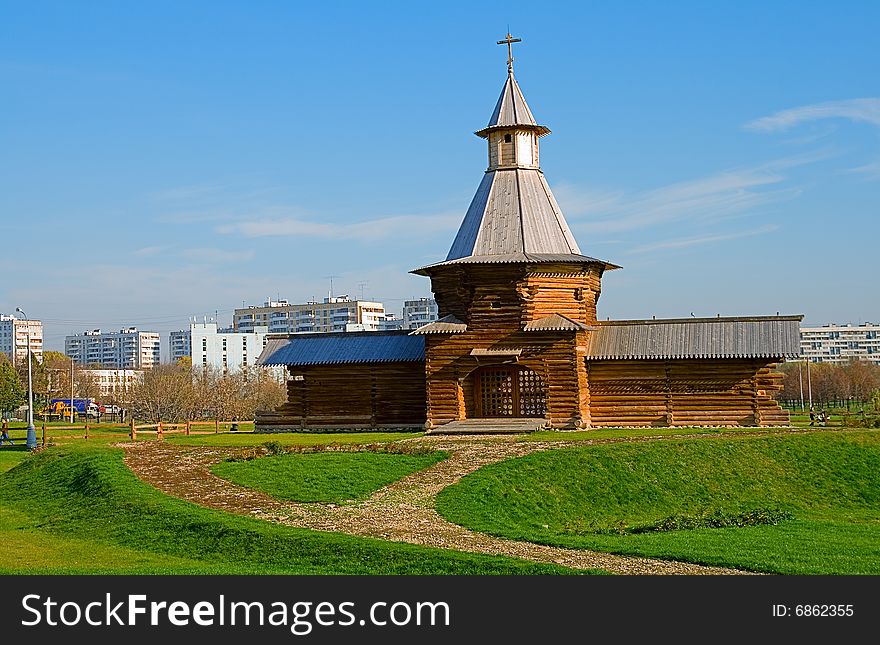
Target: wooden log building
x=519 y=338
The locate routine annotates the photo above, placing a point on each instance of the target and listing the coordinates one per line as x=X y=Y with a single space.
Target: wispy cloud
x=705 y=239
x=149 y=251
x=706 y=199
x=368 y=230
x=211 y=256
x=870 y=171
x=579 y=200
x=866 y=110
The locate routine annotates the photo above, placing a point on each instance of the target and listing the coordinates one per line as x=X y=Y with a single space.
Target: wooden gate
x=506 y=391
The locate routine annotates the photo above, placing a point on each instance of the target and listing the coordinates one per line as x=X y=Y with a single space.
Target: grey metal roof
x=513 y=211
x=342 y=348
x=517 y=258
x=445 y=325
x=554 y=322
x=512 y=110
x=514 y=217
x=738 y=337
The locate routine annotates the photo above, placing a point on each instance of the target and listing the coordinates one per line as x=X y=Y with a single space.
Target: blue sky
x=164 y=160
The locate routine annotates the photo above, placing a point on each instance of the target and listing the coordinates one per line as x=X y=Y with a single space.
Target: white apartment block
x=841 y=343
x=179 y=344
x=114 y=384
x=419 y=312
x=16 y=333
x=334 y=314
x=128 y=349
x=223 y=349
x=391 y=322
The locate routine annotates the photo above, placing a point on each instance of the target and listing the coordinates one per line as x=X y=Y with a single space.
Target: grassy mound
x=80 y=510
x=807 y=504
x=336 y=477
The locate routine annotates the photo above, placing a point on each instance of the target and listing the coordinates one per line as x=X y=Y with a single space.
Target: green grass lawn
x=288 y=438
x=77 y=509
x=336 y=477
x=636 y=433
x=597 y=497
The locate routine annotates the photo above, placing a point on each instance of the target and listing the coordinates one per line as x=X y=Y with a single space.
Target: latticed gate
x=532 y=394
x=510 y=392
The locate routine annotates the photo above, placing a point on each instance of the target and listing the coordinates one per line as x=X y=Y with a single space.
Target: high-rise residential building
x=124 y=349
x=333 y=314
x=419 y=312
x=16 y=333
x=841 y=343
x=223 y=349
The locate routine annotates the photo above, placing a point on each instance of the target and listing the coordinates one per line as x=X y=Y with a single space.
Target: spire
x=514 y=217
x=511 y=109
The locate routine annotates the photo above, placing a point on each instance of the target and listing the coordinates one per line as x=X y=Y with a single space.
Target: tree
x=87 y=385
x=855 y=380
x=165 y=394
x=861 y=378
x=39 y=377
x=12 y=393
x=57 y=367
x=176 y=393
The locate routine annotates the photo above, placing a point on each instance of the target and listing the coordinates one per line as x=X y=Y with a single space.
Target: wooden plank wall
x=363 y=396
x=720 y=392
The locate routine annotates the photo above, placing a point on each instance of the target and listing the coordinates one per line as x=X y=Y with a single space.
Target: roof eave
x=426 y=270
x=540 y=130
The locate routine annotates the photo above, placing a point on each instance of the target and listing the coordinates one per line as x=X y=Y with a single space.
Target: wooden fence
x=159 y=429
x=162 y=428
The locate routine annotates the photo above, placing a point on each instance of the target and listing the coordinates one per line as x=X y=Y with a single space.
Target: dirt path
x=401 y=512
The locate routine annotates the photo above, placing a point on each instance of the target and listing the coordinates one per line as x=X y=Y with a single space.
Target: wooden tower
x=518 y=336
x=516 y=297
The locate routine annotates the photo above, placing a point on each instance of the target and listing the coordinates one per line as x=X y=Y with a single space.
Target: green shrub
x=274 y=447
x=718 y=519
x=864 y=421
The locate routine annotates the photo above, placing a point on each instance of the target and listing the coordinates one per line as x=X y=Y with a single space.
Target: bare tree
x=177 y=393
x=165 y=394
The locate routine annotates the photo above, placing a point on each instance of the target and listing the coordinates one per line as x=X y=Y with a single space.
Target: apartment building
x=224 y=349
x=333 y=314
x=419 y=312
x=841 y=343
x=128 y=349
x=16 y=333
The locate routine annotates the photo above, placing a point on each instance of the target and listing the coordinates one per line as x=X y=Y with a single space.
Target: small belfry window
x=507 y=138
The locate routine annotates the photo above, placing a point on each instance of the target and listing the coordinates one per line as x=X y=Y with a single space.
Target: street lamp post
x=31 y=431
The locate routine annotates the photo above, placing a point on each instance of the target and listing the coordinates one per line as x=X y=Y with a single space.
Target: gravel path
x=402 y=512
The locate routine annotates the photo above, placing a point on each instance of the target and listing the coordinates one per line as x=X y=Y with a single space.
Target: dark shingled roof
x=737 y=337
x=339 y=348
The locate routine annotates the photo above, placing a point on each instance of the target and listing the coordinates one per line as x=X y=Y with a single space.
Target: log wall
x=570 y=293
x=495 y=301
x=719 y=392
x=364 y=397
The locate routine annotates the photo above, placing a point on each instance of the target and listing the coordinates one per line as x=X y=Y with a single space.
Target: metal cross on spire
x=509 y=41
